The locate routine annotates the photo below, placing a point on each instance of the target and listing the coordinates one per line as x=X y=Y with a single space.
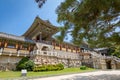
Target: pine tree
x=93 y=21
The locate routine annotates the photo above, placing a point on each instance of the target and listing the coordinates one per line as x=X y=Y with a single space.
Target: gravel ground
x=97 y=75
x=100 y=77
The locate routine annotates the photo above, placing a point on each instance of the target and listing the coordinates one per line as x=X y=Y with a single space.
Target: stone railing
x=59 y=54
x=116 y=58
x=69 y=54
x=112 y=57
x=104 y=56
x=95 y=54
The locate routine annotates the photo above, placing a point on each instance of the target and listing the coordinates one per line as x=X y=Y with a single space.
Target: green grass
x=17 y=74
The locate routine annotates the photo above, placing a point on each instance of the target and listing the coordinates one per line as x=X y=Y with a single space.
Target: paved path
x=97 y=75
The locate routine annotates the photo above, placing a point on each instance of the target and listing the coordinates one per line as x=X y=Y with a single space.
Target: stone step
x=99 y=56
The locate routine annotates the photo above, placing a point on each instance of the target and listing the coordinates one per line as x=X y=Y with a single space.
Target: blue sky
x=16 y=16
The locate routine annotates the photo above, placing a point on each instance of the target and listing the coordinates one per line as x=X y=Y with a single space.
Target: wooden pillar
x=60 y=45
x=29 y=47
x=40 y=37
x=79 y=50
x=71 y=49
x=5 y=45
x=0 y=44
x=53 y=44
x=66 y=46
x=21 y=46
x=76 y=49
x=16 y=46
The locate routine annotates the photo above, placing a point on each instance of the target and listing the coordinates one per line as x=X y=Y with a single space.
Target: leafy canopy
x=93 y=21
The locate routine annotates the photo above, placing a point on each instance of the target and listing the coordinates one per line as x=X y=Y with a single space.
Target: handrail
x=103 y=56
x=57 y=54
x=116 y=58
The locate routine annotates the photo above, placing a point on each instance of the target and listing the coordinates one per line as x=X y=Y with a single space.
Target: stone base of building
x=106 y=63
x=46 y=60
x=8 y=62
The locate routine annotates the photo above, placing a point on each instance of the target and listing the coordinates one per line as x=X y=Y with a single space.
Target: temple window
x=25 y=47
x=11 y=45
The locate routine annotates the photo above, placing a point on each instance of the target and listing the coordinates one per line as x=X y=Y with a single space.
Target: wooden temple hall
x=38 y=44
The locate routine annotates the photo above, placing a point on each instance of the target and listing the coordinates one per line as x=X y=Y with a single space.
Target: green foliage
x=14 y=75
x=60 y=66
x=48 y=68
x=93 y=22
x=116 y=52
x=111 y=50
x=83 y=67
x=25 y=63
x=90 y=21
x=29 y=65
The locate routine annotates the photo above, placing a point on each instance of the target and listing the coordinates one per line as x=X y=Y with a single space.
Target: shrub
x=29 y=65
x=48 y=68
x=25 y=63
x=83 y=67
x=60 y=66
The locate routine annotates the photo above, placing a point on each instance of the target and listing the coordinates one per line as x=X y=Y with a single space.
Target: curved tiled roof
x=36 y=23
x=14 y=37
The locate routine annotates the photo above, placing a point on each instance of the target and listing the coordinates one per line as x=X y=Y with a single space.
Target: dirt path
x=97 y=75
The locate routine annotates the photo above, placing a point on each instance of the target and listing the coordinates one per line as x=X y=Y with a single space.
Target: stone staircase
x=116 y=58
x=95 y=54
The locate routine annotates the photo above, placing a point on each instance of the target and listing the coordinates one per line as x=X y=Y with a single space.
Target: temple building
x=38 y=44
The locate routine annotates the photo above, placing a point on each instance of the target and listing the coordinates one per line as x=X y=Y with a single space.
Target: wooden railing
x=13 y=52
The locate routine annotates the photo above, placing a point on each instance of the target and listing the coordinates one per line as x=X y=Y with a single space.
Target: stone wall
x=45 y=60
x=46 y=54
x=117 y=65
x=8 y=62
